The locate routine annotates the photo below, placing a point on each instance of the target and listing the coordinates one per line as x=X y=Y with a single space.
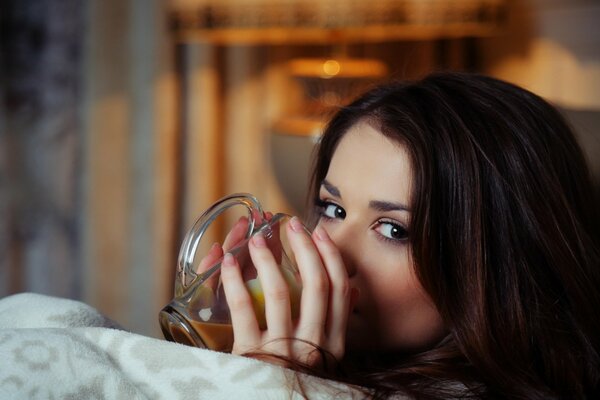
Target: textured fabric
x=52 y=348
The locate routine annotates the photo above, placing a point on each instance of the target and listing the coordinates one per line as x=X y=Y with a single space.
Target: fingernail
x=214 y=247
x=228 y=259
x=321 y=233
x=296 y=225
x=258 y=240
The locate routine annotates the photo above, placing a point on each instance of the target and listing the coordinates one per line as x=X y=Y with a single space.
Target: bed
x=55 y=348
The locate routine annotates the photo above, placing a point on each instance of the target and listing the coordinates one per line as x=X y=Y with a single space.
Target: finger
x=258 y=216
x=273 y=237
x=340 y=291
x=213 y=255
x=315 y=283
x=275 y=289
x=237 y=233
x=246 y=333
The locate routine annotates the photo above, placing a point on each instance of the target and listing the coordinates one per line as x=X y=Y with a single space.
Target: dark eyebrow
x=384 y=206
x=334 y=191
x=378 y=205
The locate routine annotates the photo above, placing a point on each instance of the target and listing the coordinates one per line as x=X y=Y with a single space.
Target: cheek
x=414 y=323
x=404 y=314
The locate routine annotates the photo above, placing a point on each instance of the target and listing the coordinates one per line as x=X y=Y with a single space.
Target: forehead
x=367 y=161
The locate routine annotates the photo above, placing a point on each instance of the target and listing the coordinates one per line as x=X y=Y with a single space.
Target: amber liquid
x=217 y=337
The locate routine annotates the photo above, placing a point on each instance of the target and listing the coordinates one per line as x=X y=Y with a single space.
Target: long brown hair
x=504 y=236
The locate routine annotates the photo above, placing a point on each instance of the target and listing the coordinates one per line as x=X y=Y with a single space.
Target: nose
x=345 y=242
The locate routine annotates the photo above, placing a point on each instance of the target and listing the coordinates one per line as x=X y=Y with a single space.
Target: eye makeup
x=391 y=231
x=328 y=210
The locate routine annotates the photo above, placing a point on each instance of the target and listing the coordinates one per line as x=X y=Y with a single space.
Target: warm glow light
x=331 y=68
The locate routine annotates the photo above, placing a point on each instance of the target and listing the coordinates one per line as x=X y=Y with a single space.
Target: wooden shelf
x=315 y=22
x=299 y=35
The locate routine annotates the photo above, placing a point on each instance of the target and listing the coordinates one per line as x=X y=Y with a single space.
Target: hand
x=234 y=236
x=324 y=308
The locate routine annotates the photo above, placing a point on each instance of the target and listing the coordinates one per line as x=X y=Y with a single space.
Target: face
x=364 y=207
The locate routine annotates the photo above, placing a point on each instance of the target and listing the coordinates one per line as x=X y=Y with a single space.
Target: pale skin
x=359 y=288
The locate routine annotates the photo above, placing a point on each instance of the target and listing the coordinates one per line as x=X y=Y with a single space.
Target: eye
x=330 y=210
x=392 y=231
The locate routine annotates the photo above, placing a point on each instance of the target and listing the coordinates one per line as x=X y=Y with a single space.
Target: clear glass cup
x=199 y=315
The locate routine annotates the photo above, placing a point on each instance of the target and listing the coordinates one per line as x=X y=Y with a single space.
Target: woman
x=456 y=249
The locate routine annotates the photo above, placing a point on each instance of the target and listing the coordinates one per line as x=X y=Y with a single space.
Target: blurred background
x=122 y=120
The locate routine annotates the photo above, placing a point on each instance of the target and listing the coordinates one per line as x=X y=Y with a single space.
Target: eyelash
x=402 y=230
x=321 y=206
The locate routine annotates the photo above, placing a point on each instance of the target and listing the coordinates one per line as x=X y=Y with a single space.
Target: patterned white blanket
x=53 y=348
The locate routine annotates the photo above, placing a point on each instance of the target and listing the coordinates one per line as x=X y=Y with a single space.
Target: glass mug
x=199 y=315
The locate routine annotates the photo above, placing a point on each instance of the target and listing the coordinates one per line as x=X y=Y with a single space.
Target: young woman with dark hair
x=455 y=250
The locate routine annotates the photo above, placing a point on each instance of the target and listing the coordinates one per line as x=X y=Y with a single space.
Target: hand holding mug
x=324 y=306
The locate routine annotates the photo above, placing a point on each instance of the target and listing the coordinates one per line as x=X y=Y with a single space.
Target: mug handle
x=185 y=263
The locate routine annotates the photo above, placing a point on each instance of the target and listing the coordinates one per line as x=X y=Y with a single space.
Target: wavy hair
x=504 y=236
